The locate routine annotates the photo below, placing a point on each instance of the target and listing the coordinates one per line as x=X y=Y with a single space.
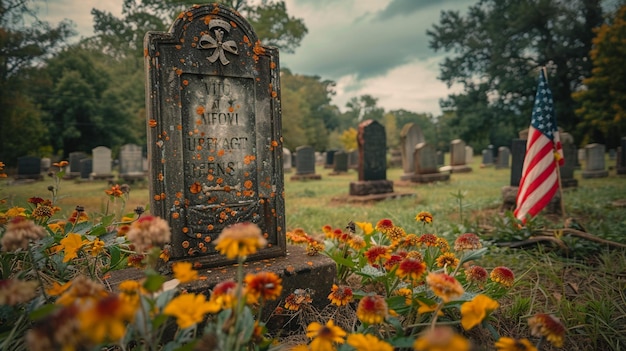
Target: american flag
x=543 y=151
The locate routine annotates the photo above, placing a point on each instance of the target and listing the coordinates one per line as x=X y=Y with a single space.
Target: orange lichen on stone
x=175 y=215
x=185 y=244
x=179 y=71
x=246 y=40
x=200 y=110
x=178 y=47
x=258 y=49
x=157 y=197
x=160 y=177
x=195 y=188
x=152 y=123
x=179 y=127
x=185 y=230
x=145 y=52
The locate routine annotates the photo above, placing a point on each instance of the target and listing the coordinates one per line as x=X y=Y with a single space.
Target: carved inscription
x=219 y=153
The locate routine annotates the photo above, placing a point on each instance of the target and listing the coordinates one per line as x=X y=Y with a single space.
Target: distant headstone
x=441 y=158
x=305 y=164
x=214 y=132
x=410 y=136
x=86 y=167
x=569 y=155
x=395 y=158
x=469 y=154
x=29 y=167
x=504 y=155
x=46 y=163
x=131 y=162
x=353 y=159
x=426 y=167
x=518 y=152
x=330 y=158
x=320 y=158
x=457 y=158
x=487 y=158
x=595 y=166
x=340 y=163
x=101 y=163
x=74 y=159
x=612 y=154
x=621 y=157
x=372 y=143
x=286 y=160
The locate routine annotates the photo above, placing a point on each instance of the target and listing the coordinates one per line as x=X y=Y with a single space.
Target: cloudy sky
x=375 y=47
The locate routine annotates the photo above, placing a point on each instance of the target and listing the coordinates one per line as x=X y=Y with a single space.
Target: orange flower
x=264 y=285
x=376 y=254
x=240 y=240
x=325 y=336
x=340 y=295
x=510 y=344
x=372 y=309
x=368 y=342
x=548 y=326
x=395 y=233
x=411 y=268
x=384 y=225
x=476 y=274
x=444 y=286
x=428 y=240
x=473 y=312
x=299 y=297
x=184 y=272
x=71 y=244
x=424 y=217
x=114 y=191
x=448 y=259
x=467 y=242
x=503 y=276
x=441 y=339
x=223 y=296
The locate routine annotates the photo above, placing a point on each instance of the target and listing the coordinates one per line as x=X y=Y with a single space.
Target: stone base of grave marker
x=509 y=196
x=370 y=187
x=595 y=174
x=297 y=270
x=569 y=183
x=456 y=169
x=334 y=173
x=426 y=178
x=312 y=176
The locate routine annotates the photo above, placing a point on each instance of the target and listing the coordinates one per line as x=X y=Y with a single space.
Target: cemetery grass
x=584 y=286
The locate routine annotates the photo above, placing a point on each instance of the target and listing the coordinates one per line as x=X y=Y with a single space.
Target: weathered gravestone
x=469 y=154
x=426 y=167
x=457 y=158
x=101 y=163
x=305 y=164
x=353 y=159
x=487 y=158
x=569 y=165
x=286 y=160
x=74 y=159
x=86 y=167
x=29 y=167
x=340 y=165
x=410 y=136
x=131 y=162
x=46 y=163
x=504 y=154
x=214 y=133
x=330 y=158
x=372 y=183
x=621 y=157
x=595 y=165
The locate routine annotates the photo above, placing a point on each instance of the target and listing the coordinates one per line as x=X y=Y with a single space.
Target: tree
x=497 y=49
x=602 y=100
x=23 y=46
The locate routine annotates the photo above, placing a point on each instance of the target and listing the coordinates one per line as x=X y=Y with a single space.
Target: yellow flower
x=424 y=308
x=548 y=326
x=71 y=244
x=473 y=312
x=184 y=272
x=368 y=342
x=441 y=339
x=503 y=275
x=106 y=319
x=130 y=291
x=372 y=309
x=15 y=212
x=366 y=227
x=444 y=286
x=424 y=217
x=411 y=268
x=510 y=344
x=340 y=296
x=223 y=296
x=58 y=289
x=240 y=240
x=264 y=285
x=447 y=259
x=82 y=290
x=324 y=336
x=97 y=247
x=189 y=309
x=56 y=227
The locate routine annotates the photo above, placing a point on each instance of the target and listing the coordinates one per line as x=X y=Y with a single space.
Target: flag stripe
x=539 y=181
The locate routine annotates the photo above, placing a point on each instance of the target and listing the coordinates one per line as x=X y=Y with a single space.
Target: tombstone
x=594 y=162
x=340 y=165
x=86 y=167
x=286 y=160
x=101 y=156
x=372 y=161
x=329 y=159
x=441 y=158
x=621 y=157
x=612 y=154
x=469 y=154
x=214 y=134
x=457 y=158
x=487 y=158
x=410 y=136
x=395 y=159
x=504 y=154
x=518 y=152
x=353 y=159
x=426 y=167
x=131 y=163
x=74 y=159
x=29 y=167
x=580 y=156
x=46 y=163
x=305 y=164
x=320 y=158
x=569 y=155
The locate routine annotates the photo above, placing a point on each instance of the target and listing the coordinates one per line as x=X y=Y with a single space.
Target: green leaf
x=43 y=311
x=153 y=283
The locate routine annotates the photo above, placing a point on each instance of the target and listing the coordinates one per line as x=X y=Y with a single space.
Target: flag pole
x=558 y=168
